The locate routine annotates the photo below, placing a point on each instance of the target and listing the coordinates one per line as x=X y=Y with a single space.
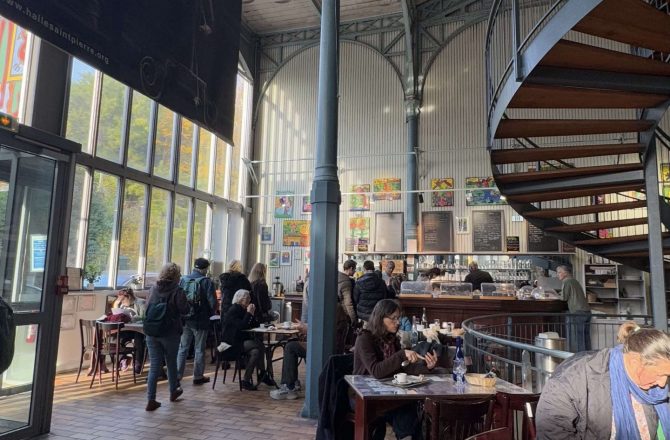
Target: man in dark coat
x=477 y=276
x=369 y=289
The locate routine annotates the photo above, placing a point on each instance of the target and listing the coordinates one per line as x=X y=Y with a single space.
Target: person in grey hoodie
x=165 y=347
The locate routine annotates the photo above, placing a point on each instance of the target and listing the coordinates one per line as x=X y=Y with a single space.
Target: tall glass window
x=138 y=135
x=132 y=232
x=186 y=153
x=77 y=220
x=181 y=231
x=204 y=160
x=220 y=168
x=158 y=233
x=102 y=226
x=240 y=130
x=163 y=150
x=200 y=232
x=110 y=122
x=79 y=108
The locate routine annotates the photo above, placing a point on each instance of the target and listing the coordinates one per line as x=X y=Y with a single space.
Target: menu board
x=437 y=230
x=512 y=243
x=538 y=241
x=487 y=233
x=389 y=229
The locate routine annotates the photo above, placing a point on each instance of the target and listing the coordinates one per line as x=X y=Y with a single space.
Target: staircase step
x=594 y=226
x=629 y=21
x=572 y=55
x=534 y=176
x=557 y=153
x=520 y=128
x=581 y=210
x=613 y=240
x=581 y=192
x=546 y=96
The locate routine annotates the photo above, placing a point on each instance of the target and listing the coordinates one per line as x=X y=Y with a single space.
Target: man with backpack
x=201 y=296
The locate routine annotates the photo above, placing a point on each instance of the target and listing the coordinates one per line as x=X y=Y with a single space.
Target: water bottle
x=288 y=312
x=459 y=367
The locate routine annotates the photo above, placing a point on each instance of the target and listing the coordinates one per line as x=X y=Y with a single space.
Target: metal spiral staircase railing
x=576 y=90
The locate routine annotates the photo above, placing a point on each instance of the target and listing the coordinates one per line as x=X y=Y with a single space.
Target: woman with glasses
x=378 y=353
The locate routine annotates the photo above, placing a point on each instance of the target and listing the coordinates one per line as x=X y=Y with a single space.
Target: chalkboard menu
x=437 y=230
x=513 y=243
x=487 y=231
x=539 y=242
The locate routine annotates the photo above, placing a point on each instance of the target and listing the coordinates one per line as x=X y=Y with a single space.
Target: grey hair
x=564 y=268
x=240 y=295
x=650 y=343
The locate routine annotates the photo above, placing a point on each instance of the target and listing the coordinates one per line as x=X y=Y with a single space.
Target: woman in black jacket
x=231 y=282
x=260 y=296
x=240 y=317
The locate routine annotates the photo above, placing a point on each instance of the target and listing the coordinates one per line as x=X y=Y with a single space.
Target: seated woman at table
x=618 y=393
x=377 y=352
x=125 y=299
x=240 y=317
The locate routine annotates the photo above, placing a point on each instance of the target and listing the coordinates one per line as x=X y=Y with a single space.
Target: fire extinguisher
x=32 y=334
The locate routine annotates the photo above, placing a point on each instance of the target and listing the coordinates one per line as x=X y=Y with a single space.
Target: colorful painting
x=284 y=205
x=296 y=233
x=14 y=40
x=476 y=193
x=386 y=189
x=306 y=205
x=274 y=259
x=285 y=258
x=442 y=198
x=267 y=234
x=361 y=201
x=665 y=172
x=359 y=234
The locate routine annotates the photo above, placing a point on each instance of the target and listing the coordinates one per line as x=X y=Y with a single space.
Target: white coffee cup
x=287 y=324
x=262 y=326
x=419 y=327
x=400 y=377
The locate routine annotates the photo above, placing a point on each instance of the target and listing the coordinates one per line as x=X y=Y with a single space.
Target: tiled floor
x=202 y=413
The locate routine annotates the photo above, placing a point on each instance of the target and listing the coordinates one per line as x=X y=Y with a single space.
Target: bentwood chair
x=227 y=356
x=509 y=410
x=452 y=419
x=530 y=419
x=494 y=434
x=108 y=343
x=87 y=333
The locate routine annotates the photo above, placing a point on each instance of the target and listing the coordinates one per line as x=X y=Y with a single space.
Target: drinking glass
x=460 y=370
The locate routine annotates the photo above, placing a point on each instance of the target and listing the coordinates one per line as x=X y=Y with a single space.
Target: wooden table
x=269 y=345
x=375 y=397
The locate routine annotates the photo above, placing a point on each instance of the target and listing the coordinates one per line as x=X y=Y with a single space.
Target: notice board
x=437 y=229
x=487 y=231
x=389 y=232
x=538 y=241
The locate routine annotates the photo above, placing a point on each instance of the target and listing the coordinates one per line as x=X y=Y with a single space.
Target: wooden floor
x=103 y=413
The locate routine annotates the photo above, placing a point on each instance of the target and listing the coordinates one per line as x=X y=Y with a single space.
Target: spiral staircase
x=573 y=117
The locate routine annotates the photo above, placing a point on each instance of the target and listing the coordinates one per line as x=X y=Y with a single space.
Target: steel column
x=326 y=199
x=658 y=305
x=411 y=222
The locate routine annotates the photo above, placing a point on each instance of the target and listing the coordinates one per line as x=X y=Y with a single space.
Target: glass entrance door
x=33 y=210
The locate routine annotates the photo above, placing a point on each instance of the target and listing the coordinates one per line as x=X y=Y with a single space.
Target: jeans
x=293 y=351
x=162 y=348
x=580 y=331
x=187 y=337
x=255 y=352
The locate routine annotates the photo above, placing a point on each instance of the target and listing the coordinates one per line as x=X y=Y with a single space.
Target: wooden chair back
x=494 y=434
x=508 y=412
x=530 y=419
x=456 y=419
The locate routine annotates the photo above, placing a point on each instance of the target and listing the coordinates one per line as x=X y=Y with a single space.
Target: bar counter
x=459 y=309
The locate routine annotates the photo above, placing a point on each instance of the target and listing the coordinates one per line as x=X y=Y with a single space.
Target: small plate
x=411 y=382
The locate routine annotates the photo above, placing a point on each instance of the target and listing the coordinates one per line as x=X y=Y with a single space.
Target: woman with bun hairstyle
x=615 y=393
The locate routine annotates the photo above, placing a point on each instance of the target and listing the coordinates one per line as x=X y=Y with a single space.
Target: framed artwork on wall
x=284 y=202
x=361 y=200
x=482 y=191
x=440 y=196
x=285 y=258
x=386 y=189
x=306 y=205
x=274 y=258
x=462 y=225
x=296 y=233
x=267 y=234
x=297 y=254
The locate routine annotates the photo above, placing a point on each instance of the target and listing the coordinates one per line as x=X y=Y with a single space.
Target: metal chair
x=451 y=419
x=87 y=333
x=107 y=343
x=494 y=434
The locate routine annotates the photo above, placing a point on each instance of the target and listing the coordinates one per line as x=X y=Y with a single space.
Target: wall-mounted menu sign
x=437 y=230
x=512 y=243
x=487 y=231
x=538 y=241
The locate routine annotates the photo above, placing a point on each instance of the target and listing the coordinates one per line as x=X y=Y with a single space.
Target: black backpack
x=158 y=319
x=7 y=335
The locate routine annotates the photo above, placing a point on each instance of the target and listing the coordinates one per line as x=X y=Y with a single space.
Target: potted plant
x=92 y=274
x=136 y=282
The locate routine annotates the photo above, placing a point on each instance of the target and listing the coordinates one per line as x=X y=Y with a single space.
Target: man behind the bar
x=477 y=276
x=580 y=313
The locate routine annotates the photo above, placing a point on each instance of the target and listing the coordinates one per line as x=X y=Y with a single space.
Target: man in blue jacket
x=201 y=296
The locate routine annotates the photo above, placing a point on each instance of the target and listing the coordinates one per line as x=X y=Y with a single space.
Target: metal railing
x=506 y=343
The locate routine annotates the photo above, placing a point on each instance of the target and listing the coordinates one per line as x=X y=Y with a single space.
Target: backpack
x=191 y=287
x=7 y=335
x=158 y=320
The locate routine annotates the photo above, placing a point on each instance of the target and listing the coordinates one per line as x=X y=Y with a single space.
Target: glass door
x=33 y=213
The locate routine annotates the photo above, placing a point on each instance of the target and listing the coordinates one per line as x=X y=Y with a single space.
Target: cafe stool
x=507 y=407
x=108 y=343
x=87 y=333
x=494 y=434
x=455 y=419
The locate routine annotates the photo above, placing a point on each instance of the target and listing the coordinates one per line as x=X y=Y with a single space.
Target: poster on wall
x=477 y=194
x=286 y=258
x=306 y=205
x=439 y=196
x=295 y=233
x=274 y=259
x=284 y=205
x=361 y=200
x=267 y=234
x=38 y=252
x=359 y=234
x=386 y=189
x=513 y=244
x=14 y=62
x=462 y=225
